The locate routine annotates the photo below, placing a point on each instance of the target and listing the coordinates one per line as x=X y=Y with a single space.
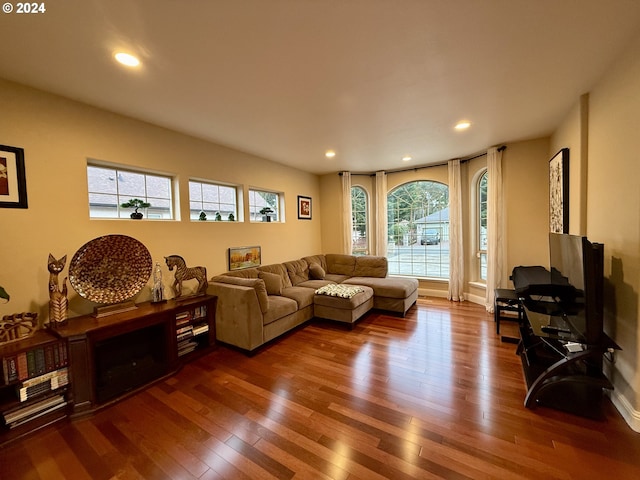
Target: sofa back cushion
x=371 y=266
x=318 y=259
x=298 y=271
x=272 y=282
x=340 y=264
x=278 y=269
x=256 y=283
x=245 y=273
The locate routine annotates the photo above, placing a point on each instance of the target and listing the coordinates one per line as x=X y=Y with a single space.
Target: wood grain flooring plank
x=435 y=394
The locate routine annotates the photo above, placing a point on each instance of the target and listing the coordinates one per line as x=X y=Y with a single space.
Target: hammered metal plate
x=110 y=269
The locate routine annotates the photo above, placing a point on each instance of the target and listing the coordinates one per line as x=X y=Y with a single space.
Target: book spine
x=23 y=369
x=31 y=363
x=48 y=358
x=41 y=365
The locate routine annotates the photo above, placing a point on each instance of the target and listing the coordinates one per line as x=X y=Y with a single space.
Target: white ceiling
x=288 y=79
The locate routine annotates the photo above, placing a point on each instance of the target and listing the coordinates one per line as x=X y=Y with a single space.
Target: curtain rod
x=462 y=160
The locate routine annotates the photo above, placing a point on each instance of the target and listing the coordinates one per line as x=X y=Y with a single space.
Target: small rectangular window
x=264 y=206
x=212 y=202
x=110 y=188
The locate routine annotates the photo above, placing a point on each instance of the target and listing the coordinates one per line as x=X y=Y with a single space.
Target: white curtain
x=381 y=214
x=456 y=246
x=347 y=220
x=495 y=226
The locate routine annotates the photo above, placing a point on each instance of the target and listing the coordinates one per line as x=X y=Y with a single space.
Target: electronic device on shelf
x=570 y=294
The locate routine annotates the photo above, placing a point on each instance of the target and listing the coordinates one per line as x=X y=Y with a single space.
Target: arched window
x=359 y=214
x=481 y=222
x=418 y=224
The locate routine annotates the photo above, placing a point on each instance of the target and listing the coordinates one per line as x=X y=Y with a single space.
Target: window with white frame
x=210 y=201
x=359 y=214
x=111 y=187
x=418 y=225
x=482 y=225
x=264 y=206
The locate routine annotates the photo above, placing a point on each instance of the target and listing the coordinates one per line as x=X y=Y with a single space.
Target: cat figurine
x=58 y=303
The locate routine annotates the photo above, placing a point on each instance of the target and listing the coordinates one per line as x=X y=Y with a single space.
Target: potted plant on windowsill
x=266 y=214
x=135 y=203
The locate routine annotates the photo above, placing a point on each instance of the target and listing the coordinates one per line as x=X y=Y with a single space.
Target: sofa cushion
x=278 y=269
x=278 y=308
x=370 y=266
x=340 y=264
x=272 y=282
x=303 y=296
x=244 y=273
x=392 y=287
x=316 y=272
x=298 y=271
x=318 y=259
x=256 y=283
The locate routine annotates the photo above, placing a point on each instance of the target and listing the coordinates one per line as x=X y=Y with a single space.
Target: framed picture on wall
x=304 y=208
x=559 y=192
x=13 y=183
x=244 y=257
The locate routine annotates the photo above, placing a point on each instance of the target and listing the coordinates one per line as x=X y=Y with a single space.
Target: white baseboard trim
x=630 y=415
x=475 y=298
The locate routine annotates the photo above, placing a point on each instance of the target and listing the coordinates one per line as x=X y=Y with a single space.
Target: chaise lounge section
x=256 y=305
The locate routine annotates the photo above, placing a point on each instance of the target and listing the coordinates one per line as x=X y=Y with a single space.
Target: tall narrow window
x=110 y=187
x=212 y=202
x=418 y=225
x=482 y=225
x=359 y=214
x=264 y=206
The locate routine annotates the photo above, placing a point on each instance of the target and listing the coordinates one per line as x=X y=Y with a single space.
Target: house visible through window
x=264 y=206
x=359 y=212
x=110 y=187
x=482 y=225
x=212 y=202
x=418 y=225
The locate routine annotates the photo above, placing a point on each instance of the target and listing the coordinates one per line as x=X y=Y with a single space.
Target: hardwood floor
x=432 y=395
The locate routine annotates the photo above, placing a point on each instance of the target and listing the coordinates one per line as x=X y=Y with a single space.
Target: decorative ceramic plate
x=110 y=269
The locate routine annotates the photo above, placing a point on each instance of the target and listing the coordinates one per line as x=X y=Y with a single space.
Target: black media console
x=562 y=342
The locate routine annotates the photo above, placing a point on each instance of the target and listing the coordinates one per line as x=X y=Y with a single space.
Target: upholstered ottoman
x=342 y=303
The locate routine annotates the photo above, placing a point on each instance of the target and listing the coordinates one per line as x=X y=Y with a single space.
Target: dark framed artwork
x=559 y=192
x=304 y=208
x=13 y=183
x=244 y=257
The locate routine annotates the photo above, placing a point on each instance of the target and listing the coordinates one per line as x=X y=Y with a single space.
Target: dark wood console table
x=117 y=354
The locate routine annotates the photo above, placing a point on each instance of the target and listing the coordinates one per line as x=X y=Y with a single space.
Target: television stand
x=557 y=377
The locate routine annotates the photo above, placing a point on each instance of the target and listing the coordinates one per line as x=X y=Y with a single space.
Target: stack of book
x=26 y=413
x=35 y=362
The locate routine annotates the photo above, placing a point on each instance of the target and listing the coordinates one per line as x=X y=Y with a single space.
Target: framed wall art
x=13 y=183
x=244 y=257
x=304 y=208
x=559 y=192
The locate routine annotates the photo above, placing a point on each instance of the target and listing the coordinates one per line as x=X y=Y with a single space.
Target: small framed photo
x=559 y=192
x=304 y=208
x=244 y=257
x=13 y=183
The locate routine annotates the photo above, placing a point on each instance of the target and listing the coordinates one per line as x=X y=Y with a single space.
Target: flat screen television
x=577 y=278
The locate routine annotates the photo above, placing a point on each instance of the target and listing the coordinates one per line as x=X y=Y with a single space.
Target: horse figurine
x=186 y=273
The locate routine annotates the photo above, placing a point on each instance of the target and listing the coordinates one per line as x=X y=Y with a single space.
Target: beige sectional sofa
x=256 y=305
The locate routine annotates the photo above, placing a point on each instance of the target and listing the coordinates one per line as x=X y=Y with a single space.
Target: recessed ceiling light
x=463 y=125
x=406 y=158
x=330 y=154
x=127 y=59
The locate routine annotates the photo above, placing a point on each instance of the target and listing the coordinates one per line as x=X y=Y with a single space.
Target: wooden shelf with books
x=33 y=385
x=116 y=355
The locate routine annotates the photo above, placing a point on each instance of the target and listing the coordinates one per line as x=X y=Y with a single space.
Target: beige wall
x=613 y=207
x=58 y=135
x=572 y=134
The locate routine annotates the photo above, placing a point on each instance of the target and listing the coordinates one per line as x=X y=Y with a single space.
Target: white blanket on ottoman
x=339 y=290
